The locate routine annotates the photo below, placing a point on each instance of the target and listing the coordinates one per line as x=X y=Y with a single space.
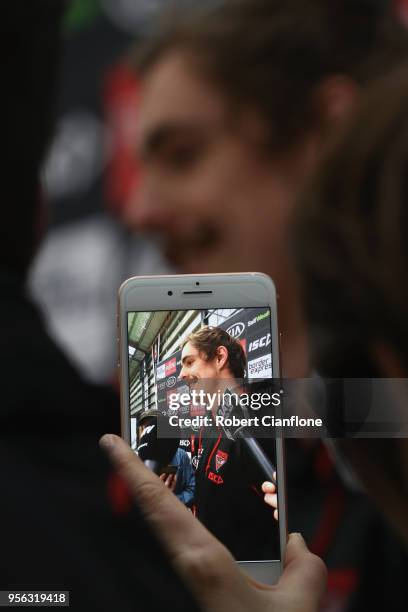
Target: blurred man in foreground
x=237 y=106
x=350 y=240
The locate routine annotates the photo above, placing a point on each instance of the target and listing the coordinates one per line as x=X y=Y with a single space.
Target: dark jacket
x=230 y=502
x=66 y=520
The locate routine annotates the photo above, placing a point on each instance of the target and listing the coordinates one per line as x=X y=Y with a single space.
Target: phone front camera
x=197 y=283
x=169 y=293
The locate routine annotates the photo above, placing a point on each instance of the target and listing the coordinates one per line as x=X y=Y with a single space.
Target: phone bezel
x=246 y=290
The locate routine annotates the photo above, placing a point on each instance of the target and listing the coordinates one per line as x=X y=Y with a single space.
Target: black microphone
x=258 y=455
x=230 y=408
x=156 y=453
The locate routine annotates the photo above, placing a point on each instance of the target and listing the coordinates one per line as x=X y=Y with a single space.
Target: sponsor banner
x=263 y=342
x=261 y=367
x=251 y=327
x=170 y=366
x=162 y=403
x=236 y=330
x=161 y=371
x=167 y=373
x=259 y=318
x=171 y=381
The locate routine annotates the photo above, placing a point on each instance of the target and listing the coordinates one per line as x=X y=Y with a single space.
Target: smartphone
x=174 y=332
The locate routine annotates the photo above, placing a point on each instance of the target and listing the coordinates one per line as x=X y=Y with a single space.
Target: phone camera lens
x=169 y=293
x=197 y=283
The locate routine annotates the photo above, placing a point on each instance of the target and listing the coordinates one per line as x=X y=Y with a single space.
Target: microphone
x=228 y=408
x=156 y=453
x=259 y=456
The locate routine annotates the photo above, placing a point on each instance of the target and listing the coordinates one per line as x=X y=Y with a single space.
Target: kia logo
x=171 y=381
x=236 y=330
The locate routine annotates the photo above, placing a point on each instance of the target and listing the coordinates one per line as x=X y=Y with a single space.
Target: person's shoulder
x=181 y=456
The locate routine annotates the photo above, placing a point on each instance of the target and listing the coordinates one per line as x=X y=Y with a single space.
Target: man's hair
x=270 y=55
x=208 y=339
x=350 y=237
x=30 y=42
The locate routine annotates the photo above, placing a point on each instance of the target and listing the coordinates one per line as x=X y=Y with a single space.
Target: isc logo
x=216 y=478
x=260 y=343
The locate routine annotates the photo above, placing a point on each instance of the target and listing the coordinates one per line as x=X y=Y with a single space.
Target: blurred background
x=88 y=175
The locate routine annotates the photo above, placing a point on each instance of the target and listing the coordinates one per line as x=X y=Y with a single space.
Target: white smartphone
x=174 y=331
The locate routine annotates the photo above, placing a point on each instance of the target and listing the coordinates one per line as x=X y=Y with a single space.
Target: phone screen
x=190 y=366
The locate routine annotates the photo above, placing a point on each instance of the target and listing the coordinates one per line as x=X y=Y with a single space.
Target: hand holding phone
x=205 y=565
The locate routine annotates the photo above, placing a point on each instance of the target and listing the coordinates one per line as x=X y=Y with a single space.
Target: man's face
x=141 y=429
x=218 y=204
x=195 y=367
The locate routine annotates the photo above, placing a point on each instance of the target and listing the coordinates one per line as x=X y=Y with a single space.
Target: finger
x=271 y=500
x=154 y=501
x=304 y=572
x=174 y=483
x=276 y=515
x=268 y=487
x=200 y=558
x=162 y=477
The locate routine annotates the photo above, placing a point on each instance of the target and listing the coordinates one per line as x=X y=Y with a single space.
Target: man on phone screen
x=229 y=499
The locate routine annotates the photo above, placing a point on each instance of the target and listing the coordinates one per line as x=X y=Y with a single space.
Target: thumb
x=303 y=570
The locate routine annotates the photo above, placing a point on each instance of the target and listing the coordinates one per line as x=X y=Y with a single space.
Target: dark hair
x=207 y=340
x=350 y=237
x=30 y=41
x=271 y=54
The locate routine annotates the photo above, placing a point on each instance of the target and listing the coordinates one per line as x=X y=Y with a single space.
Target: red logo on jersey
x=216 y=478
x=220 y=459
